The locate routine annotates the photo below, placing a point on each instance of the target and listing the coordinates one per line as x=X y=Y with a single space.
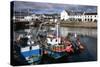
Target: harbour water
x=89 y=39
x=82 y=31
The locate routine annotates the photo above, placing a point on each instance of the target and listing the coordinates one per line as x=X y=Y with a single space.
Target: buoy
x=81 y=46
x=45 y=52
x=69 y=49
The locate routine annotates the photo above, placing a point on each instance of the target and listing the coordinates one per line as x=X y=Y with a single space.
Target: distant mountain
x=38 y=7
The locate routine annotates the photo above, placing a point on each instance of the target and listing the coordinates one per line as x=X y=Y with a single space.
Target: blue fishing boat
x=31 y=53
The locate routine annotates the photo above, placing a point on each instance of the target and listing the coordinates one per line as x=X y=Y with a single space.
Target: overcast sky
x=38 y=7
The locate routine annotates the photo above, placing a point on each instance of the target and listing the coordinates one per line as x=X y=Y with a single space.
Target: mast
x=57 y=32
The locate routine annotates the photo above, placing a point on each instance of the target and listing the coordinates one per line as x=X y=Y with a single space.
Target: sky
x=45 y=8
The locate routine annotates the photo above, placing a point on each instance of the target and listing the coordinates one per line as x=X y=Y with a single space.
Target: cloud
x=51 y=7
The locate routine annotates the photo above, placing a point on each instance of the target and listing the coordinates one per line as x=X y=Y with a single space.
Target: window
x=56 y=40
x=85 y=19
x=95 y=20
x=91 y=20
x=88 y=19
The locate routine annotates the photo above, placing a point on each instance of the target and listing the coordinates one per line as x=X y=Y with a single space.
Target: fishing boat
x=59 y=46
x=50 y=43
x=29 y=50
x=32 y=54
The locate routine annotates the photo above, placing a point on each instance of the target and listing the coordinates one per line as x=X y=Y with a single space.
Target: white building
x=64 y=15
x=90 y=17
x=27 y=18
x=78 y=16
x=32 y=17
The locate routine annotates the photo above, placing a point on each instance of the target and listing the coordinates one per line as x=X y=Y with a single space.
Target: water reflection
x=84 y=31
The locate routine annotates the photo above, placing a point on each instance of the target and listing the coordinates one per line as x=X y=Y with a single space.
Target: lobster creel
x=58 y=48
